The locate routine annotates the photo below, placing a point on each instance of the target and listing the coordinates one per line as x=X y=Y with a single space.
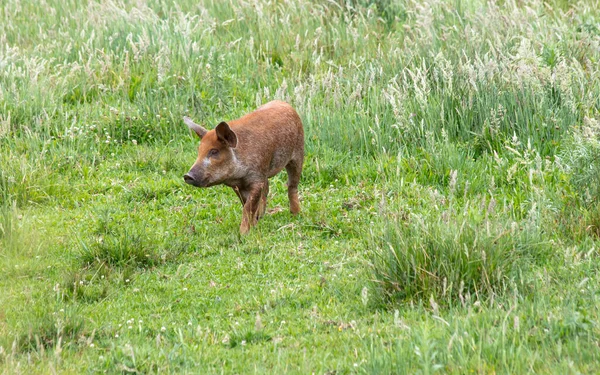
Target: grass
x=450 y=191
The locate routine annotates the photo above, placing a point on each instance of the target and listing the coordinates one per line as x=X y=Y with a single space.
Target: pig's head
x=216 y=157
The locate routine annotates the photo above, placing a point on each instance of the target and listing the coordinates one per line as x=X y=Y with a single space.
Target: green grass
x=450 y=217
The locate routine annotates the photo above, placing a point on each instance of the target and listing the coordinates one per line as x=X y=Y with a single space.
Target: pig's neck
x=239 y=176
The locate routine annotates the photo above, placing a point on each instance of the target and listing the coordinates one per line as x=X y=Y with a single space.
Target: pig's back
x=275 y=116
x=269 y=137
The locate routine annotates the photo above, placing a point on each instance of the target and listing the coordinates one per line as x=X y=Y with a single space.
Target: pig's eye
x=213 y=152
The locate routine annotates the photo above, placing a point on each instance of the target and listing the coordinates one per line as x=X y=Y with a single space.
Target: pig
x=244 y=153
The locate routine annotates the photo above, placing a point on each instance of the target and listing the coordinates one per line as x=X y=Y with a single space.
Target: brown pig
x=246 y=152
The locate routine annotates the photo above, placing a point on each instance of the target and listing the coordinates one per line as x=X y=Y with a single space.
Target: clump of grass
x=7 y=208
x=592 y=220
x=120 y=243
x=90 y=284
x=248 y=337
x=451 y=260
x=46 y=330
x=582 y=157
x=121 y=248
x=16 y=236
x=6 y=222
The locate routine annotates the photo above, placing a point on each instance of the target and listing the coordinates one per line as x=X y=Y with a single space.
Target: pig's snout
x=189 y=179
x=193 y=179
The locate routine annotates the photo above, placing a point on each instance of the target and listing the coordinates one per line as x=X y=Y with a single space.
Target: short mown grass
x=450 y=215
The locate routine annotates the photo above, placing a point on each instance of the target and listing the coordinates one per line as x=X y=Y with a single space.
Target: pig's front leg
x=251 y=207
x=242 y=194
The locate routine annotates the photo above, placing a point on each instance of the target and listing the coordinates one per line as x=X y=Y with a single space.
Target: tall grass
x=131 y=70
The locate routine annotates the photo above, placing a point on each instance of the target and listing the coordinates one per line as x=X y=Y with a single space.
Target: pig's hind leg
x=262 y=207
x=294 y=170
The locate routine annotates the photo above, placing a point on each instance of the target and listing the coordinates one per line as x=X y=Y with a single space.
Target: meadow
x=450 y=196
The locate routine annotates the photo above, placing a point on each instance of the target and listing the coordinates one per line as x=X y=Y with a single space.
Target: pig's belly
x=278 y=162
x=273 y=172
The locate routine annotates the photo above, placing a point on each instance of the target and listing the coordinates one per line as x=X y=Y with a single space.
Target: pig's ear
x=195 y=127
x=226 y=135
